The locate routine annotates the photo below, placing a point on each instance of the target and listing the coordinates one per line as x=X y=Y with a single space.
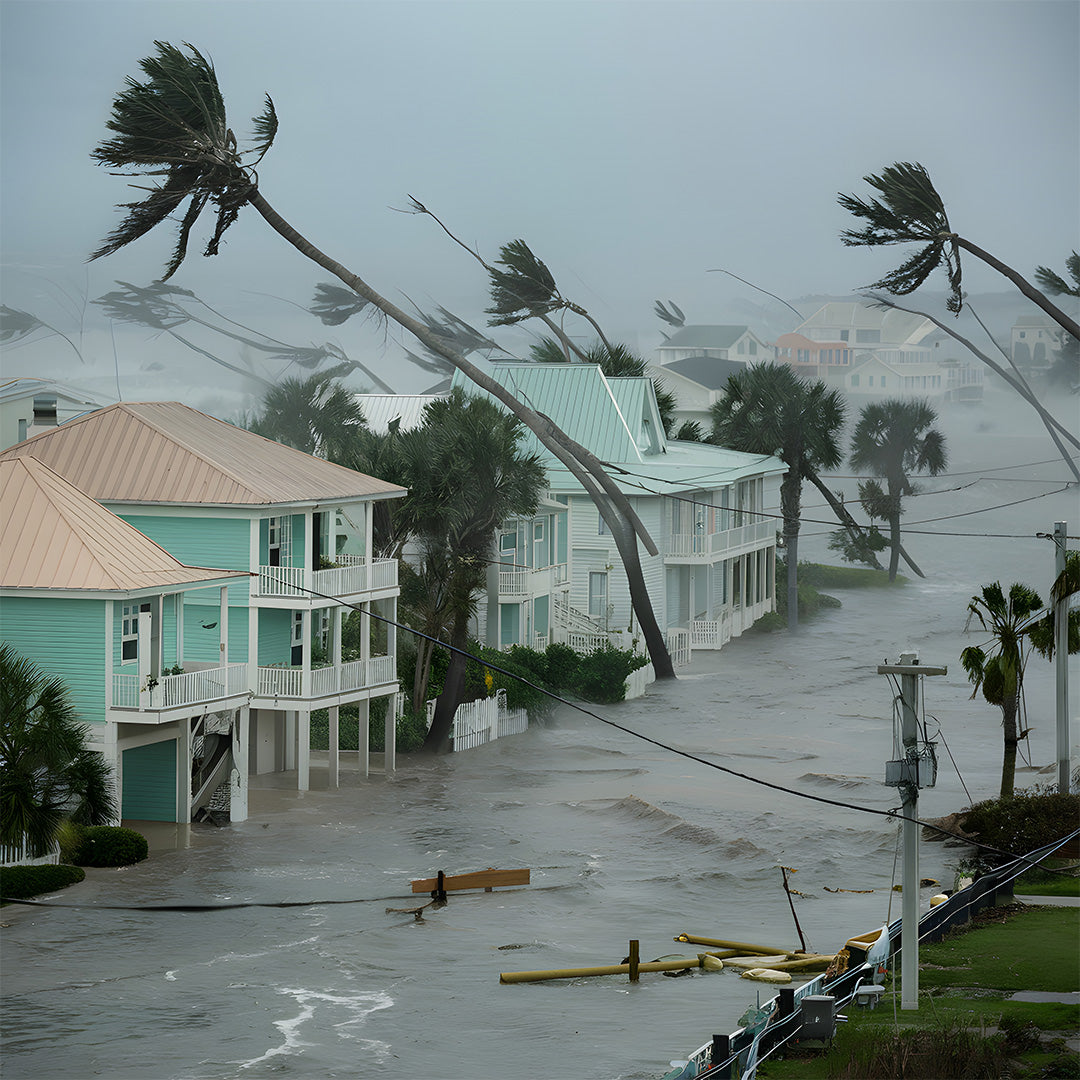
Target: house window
x=1023 y=333
x=753 y=348
x=507 y=546
x=297 y=629
x=538 y=532
x=602 y=529
x=598 y=595
x=844 y=335
x=868 y=337
x=736 y=583
x=742 y=347
x=279 y=541
x=882 y=382
x=129 y=636
x=871 y=383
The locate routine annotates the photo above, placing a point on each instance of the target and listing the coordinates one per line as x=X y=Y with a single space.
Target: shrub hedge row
x=23 y=882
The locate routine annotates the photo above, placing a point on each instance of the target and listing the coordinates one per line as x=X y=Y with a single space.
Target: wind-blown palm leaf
x=334 y=305
x=1055 y=284
x=909 y=210
x=525 y=289
x=547 y=351
x=16 y=325
x=173 y=125
x=673 y=316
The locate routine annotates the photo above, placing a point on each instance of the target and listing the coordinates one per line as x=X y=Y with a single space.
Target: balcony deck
x=206 y=686
x=297 y=586
x=277 y=684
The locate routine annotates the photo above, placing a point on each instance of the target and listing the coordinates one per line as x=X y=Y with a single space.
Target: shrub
x=1024 y=821
x=22 y=882
x=110 y=845
x=603 y=672
x=562 y=665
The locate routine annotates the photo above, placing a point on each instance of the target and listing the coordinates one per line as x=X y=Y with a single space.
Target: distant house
x=92 y=601
x=298 y=528
x=28 y=406
x=875 y=352
x=712 y=513
x=1033 y=343
x=697 y=383
x=715 y=342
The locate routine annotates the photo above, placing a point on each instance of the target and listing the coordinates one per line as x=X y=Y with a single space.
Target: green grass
x=1037 y=883
x=846 y=577
x=964 y=987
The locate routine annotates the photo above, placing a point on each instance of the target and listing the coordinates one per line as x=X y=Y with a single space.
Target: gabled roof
x=578 y=398
x=897 y=327
x=704 y=337
x=707 y=371
x=381 y=410
x=53 y=536
x=165 y=452
x=25 y=386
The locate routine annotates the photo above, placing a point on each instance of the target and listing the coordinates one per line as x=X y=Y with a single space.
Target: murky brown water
x=624 y=840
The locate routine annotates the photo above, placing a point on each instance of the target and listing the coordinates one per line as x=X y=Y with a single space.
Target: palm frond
x=525 y=289
x=1053 y=283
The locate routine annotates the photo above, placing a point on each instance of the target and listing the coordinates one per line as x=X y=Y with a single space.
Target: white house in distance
x=1033 y=343
x=880 y=352
x=716 y=342
x=29 y=405
x=696 y=383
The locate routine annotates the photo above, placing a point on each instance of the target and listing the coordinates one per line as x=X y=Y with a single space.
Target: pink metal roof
x=52 y=536
x=165 y=452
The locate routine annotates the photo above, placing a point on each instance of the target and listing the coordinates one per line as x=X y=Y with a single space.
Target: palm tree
x=317 y=415
x=768 y=409
x=911 y=211
x=47 y=775
x=173 y=125
x=999 y=674
x=892 y=439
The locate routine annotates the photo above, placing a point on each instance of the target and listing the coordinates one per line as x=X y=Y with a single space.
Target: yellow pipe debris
x=609 y=969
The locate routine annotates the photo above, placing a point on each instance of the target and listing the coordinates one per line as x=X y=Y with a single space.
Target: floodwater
x=624 y=840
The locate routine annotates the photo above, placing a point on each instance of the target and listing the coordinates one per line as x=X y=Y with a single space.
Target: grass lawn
x=965 y=1025
x=822 y=576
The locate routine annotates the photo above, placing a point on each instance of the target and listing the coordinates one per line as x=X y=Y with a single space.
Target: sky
x=635 y=146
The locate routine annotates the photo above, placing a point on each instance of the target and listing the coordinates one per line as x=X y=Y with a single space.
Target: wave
x=835 y=780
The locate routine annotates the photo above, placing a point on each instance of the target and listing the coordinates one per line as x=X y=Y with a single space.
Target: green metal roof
x=705 y=337
x=618 y=420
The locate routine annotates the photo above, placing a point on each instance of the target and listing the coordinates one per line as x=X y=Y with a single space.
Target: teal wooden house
x=312 y=618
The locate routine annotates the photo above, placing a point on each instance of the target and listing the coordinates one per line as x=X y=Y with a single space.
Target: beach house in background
x=92 y=601
x=875 y=352
x=299 y=530
x=28 y=406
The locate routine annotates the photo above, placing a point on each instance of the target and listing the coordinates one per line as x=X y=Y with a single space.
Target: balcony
x=523 y=583
x=708 y=547
x=206 y=686
x=354 y=576
x=296 y=684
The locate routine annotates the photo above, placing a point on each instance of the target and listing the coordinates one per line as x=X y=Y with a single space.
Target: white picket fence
x=15 y=855
x=483 y=721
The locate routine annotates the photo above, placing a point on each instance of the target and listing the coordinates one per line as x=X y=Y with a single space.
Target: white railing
x=176 y=691
x=521 y=581
x=288 y=682
x=479 y=722
x=678 y=643
x=356 y=574
x=710 y=633
x=586 y=643
x=15 y=855
x=704 y=545
x=512 y=582
x=636 y=681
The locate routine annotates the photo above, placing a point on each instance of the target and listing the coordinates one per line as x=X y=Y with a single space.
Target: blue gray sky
x=633 y=145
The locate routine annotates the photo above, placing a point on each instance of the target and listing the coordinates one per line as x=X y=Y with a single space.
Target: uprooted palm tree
x=47 y=774
x=911 y=211
x=893 y=439
x=172 y=126
x=768 y=409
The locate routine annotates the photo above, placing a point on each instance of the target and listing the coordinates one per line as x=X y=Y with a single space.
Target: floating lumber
x=740 y=947
x=756 y=961
x=480 y=879
x=608 y=969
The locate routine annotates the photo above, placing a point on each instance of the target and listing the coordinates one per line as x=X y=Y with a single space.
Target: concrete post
x=1061 y=657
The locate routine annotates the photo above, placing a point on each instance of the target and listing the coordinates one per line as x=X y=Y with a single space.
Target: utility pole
x=1061 y=652
x=917 y=768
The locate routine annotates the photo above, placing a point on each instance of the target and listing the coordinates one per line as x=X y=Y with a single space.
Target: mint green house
x=311 y=620
x=92 y=601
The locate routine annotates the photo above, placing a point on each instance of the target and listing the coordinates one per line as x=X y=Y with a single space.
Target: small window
x=844 y=335
x=854 y=380
x=129 y=633
x=870 y=382
x=598 y=583
x=602 y=529
x=868 y=337
x=508 y=544
x=753 y=348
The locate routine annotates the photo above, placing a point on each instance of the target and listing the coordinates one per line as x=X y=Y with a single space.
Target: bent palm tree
x=892 y=439
x=911 y=211
x=173 y=125
x=768 y=409
x=47 y=775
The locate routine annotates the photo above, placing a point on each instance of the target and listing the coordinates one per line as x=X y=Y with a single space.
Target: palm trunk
x=894 y=544
x=442 y=723
x=1025 y=286
x=582 y=465
x=790 y=490
x=1008 y=761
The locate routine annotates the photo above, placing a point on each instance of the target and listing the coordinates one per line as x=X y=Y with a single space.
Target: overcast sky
x=633 y=145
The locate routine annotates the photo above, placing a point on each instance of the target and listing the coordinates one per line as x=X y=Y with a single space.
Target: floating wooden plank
x=741 y=946
x=607 y=969
x=480 y=879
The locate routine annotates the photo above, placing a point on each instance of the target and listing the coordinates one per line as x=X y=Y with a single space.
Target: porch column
x=390 y=734
x=391 y=632
x=223 y=625
x=290 y=740
x=183 y=771
x=363 y=709
x=143 y=630
x=305 y=653
x=303 y=750
x=238 y=779
x=334 y=760
x=179 y=601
